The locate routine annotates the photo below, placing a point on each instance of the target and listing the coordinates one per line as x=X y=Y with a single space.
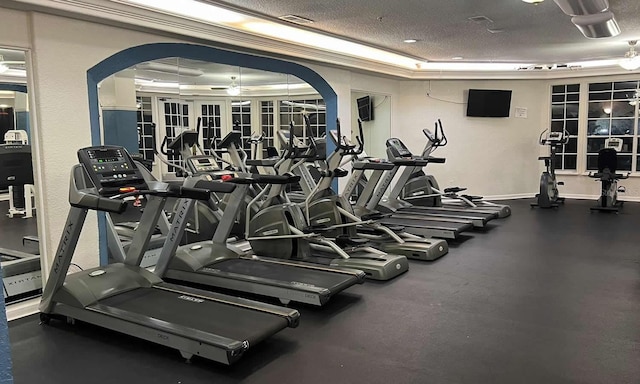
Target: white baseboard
x=574 y=196
x=22 y=309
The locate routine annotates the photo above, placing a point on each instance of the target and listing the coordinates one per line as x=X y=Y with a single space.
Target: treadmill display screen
x=107 y=156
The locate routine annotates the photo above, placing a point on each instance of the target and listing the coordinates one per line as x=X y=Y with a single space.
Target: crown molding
x=132 y=17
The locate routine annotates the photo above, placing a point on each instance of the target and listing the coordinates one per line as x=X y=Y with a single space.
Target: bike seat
x=544 y=158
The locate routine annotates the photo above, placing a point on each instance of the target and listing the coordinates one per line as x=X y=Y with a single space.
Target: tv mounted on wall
x=488 y=103
x=365 y=108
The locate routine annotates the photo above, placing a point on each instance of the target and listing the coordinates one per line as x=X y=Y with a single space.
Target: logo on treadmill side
x=191 y=299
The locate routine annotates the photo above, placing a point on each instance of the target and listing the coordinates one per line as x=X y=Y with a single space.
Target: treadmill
x=129 y=299
x=213 y=264
x=21 y=275
x=397 y=150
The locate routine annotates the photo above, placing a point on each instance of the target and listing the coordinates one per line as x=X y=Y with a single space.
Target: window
x=267 y=124
x=241 y=117
x=293 y=110
x=211 y=126
x=146 y=128
x=613 y=112
x=565 y=110
x=176 y=119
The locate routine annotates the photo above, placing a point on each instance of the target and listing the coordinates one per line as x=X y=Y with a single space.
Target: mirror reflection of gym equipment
x=148 y=106
x=18 y=244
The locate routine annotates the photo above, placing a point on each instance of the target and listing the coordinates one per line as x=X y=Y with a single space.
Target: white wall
x=490 y=156
x=376 y=131
x=63 y=50
x=14 y=32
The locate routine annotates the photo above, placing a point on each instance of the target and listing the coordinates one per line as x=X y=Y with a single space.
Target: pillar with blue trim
x=118 y=111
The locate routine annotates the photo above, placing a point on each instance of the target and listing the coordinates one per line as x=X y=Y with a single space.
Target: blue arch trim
x=135 y=55
x=13 y=87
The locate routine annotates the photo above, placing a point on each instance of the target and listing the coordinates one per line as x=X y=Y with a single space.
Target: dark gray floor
x=543 y=297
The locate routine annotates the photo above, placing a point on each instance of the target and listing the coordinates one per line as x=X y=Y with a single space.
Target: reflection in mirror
x=153 y=103
x=19 y=246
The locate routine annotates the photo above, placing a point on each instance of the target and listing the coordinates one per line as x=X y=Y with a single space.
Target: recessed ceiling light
x=533 y=1
x=410 y=41
x=457 y=58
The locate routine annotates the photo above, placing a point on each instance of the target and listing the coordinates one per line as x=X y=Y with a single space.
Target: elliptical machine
x=548 y=195
x=607 y=167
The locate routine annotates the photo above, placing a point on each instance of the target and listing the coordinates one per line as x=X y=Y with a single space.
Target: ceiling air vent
x=481 y=19
x=296 y=19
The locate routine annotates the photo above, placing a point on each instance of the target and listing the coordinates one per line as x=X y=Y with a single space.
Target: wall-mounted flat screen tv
x=365 y=108
x=488 y=103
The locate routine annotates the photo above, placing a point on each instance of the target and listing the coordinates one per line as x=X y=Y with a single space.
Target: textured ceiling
x=539 y=33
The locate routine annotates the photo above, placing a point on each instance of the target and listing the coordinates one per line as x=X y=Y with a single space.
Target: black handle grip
x=438 y=160
x=101 y=204
x=276 y=179
x=215 y=186
x=189 y=193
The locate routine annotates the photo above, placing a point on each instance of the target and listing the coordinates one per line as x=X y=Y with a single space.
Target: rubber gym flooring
x=541 y=297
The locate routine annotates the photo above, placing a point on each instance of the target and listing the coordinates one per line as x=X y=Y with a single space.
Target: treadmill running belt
x=286 y=273
x=226 y=320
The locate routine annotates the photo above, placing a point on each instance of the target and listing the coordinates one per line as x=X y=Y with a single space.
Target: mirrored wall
x=147 y=106
x=153 y=102
x=19 y=246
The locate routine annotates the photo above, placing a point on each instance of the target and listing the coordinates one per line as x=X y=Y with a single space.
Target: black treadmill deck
x=332 y=281
x=189 y=312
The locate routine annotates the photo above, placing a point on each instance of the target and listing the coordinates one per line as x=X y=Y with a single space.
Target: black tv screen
x=365 y=108
x=488 y=103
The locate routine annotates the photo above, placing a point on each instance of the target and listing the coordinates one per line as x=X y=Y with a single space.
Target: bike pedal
x=560 y=183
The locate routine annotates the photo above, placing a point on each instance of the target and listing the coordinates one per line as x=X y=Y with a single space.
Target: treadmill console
x=111 y=169
x=429 y=135
x=398 y=149
x=205 y=164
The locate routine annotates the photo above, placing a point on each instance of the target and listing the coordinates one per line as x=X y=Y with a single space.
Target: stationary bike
x=607 y=167
x=548 y=196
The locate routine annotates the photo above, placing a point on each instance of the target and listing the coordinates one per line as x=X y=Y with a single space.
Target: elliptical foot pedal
x=454 y=190
x=472 y=197
x=374 y=216
x=346 y=241
x=622 y=189
x=315 y=229
x=560 y=183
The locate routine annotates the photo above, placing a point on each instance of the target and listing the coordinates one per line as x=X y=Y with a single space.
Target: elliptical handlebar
x=348 y=149
x=441 y=138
